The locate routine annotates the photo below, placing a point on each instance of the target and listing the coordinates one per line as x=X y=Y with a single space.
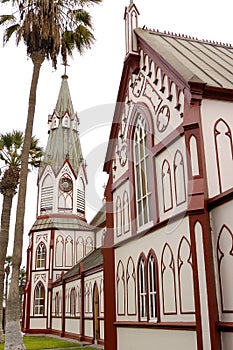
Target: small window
x=40 y=256
x=39 y=300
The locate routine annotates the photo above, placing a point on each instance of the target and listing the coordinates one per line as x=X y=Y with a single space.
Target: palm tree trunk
x=14 y=339
x=4 y=237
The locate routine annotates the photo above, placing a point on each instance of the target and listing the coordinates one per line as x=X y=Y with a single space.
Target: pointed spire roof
x=64 y=102
x=63 y=142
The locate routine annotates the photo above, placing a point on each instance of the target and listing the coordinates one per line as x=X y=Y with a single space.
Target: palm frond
x=9 y=31
x=6 y=18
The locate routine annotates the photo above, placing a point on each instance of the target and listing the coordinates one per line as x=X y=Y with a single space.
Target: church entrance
x=96 y=314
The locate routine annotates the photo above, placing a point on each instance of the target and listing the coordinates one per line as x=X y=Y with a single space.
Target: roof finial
x=65 y=65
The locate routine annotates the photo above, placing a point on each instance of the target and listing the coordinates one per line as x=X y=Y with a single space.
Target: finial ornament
x=131 y=2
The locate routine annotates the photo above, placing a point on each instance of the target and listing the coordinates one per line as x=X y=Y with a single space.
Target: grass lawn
x=36 y=343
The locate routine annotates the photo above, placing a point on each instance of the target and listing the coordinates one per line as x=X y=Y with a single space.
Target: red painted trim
x=121 y=180
x=168 y=140
x=203 y=219
x=109 y=299
x=220 y=199
x=163 y=325
x=82 y=311
x=61 y=215
x=225 y=326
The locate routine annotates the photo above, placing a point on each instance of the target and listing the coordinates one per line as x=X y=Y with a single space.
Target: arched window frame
x=57 y=304
x=153 y=294
x=39 y=299
x=41 y=256
x=141 y=165
x=118 y=224
x=73 y=302
x=126 y=213
x=142 y=289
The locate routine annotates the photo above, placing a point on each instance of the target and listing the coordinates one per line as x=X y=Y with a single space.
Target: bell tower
x=62 y=176
x=60 y=236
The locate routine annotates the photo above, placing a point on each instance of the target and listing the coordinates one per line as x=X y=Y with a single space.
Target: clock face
x=66 y=184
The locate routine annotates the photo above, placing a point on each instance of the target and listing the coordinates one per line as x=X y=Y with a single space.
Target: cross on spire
x=65 y=65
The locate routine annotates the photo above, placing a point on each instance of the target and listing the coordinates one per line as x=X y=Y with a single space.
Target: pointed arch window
x=81 y=197
x=141 y=160
x=224 y=154
x=65 y=196
x=69 y=251
x=39 y=300
x=118 y=217
x=152 y=290
x=88 y=245
x=47 y=194
x=57 y=304
x=41 y=256
x=125 y=218
x=131 y=287
x=166 y=186
x=120 y=289
x=225 y=267
x=142 y=290
x=179 y=177
x=79 y=248
x=73 y=302
x=59 y=251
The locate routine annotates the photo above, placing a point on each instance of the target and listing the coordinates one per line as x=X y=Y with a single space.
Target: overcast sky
x=94 y=78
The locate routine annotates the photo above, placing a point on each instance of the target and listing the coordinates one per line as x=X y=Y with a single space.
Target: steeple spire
x=64 y=102
x=63 y=142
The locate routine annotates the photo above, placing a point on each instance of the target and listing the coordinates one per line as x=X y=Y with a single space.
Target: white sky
x=94 y=78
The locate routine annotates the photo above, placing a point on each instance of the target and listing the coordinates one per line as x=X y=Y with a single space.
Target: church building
x=154 y=267
x=64 y=261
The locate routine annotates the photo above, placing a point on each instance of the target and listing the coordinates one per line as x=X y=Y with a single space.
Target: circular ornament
x=123 y=155
x=163 y=118
x=66 y=184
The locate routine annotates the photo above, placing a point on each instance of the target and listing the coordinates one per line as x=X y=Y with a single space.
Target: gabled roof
x=201 y=61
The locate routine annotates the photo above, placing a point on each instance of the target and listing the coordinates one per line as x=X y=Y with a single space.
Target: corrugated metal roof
x=195 y=60
x=92 y=260
x=68 y=223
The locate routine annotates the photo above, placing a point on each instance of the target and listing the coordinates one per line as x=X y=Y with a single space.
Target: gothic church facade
x=157 y=271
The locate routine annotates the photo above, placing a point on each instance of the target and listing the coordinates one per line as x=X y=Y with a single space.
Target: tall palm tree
x=7 y=271
x=48 y=28
x=11 y=145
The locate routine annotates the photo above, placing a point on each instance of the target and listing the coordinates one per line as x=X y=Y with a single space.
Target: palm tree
x=7 y=271
x=11 y=145
x=48 y=28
